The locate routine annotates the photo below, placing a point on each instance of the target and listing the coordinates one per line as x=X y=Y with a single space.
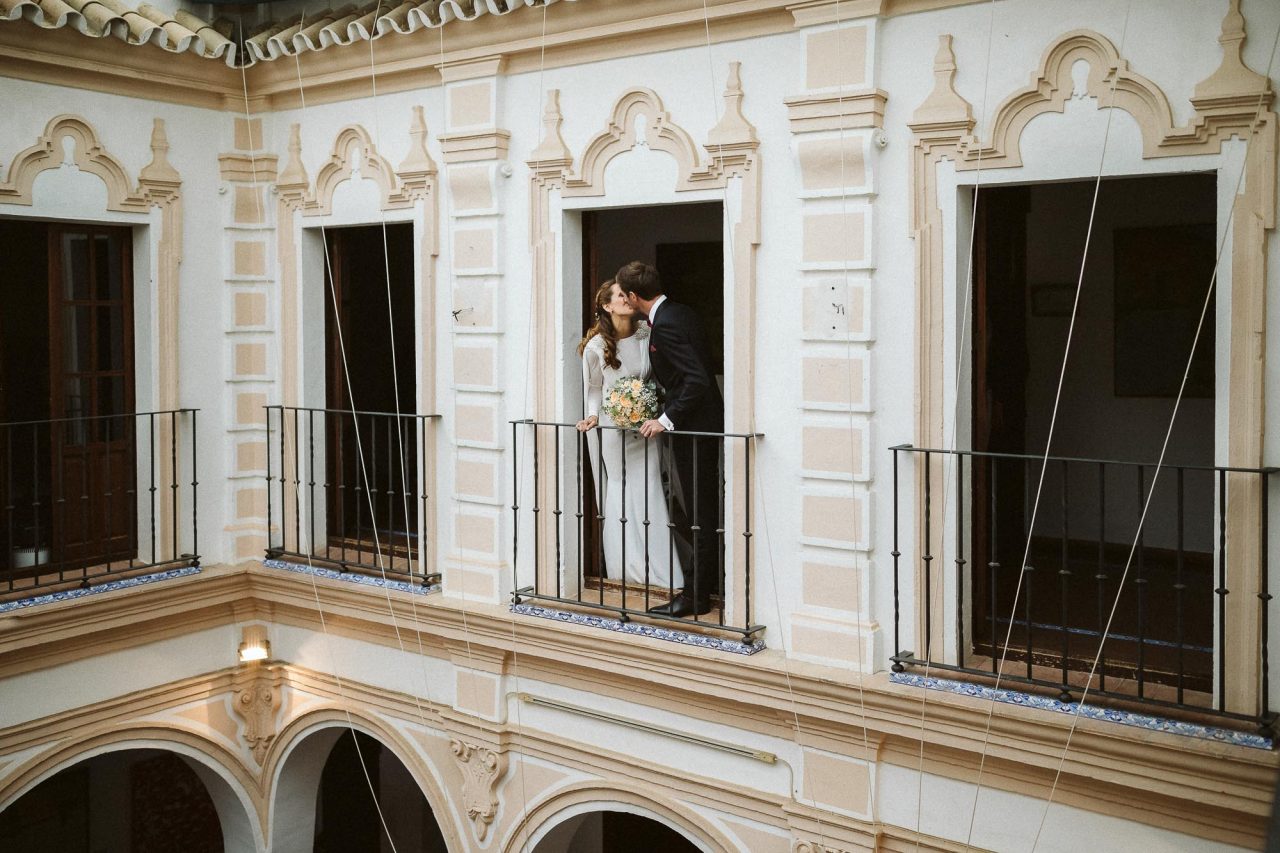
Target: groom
x=682 y=366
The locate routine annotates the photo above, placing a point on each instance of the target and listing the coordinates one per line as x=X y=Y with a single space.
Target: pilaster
x=835 y=136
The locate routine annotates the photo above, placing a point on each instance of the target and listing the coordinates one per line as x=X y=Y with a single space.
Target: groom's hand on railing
x=588 y=424
x=651 y=428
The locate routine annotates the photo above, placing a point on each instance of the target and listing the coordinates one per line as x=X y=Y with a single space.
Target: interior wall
x=633 y=233
x=1093 y=420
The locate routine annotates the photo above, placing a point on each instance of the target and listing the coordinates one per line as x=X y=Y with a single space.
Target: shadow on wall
x=613 y=832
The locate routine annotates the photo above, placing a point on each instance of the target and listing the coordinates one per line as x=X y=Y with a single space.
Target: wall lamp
x=254 y=645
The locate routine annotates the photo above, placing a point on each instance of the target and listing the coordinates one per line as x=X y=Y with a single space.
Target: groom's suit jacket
x=682 y=365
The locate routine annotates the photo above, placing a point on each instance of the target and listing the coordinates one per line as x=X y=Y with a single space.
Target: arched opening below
x=613 y=832
x=347 y=816
x=134 y=799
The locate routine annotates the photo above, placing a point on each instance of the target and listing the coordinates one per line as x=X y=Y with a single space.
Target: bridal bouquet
x=630 y=402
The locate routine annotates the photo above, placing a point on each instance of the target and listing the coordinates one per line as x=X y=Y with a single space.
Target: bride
x=617 y=345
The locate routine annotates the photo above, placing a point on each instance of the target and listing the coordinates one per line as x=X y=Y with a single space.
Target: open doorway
x=1150 y=261
x=371 y=455
x=685 y=243
x=67 y=432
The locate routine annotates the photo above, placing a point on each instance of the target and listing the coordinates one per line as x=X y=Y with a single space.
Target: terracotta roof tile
x=183 y=31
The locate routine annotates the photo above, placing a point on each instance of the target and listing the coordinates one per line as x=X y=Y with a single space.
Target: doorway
x=372 y=455
x=68 y=460
x=1150 y=261
x=685 y=242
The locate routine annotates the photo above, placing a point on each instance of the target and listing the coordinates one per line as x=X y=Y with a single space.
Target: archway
x=324 y=801
x=130 y=799
x=613 y=832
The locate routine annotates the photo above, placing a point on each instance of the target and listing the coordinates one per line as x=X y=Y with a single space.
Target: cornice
x=763 y=693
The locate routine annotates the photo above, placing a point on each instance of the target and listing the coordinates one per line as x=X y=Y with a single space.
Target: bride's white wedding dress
x=624 y=554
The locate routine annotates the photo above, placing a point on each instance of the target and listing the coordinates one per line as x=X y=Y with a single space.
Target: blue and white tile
x=686 y=638
x=98 y=589
x=1090 y=712
x=353 y=577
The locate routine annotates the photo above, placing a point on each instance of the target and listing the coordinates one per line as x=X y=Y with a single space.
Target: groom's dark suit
x=682 y=365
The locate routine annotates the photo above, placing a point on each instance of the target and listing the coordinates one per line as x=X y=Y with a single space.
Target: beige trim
x=1181 y=784
x=88 y=156
x=477 y=145
x=1224 y=104
x=640 y=795
x=836 y=112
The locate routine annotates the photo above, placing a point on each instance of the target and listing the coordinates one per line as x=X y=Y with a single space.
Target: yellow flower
x=636 y=386
x=613 y=398
x=635 y=417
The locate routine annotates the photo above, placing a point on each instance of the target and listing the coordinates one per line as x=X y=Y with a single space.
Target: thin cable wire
x=333 y=659
x=1053 y=422
x=1204 y=310
x=950 y=466
x=395 y=379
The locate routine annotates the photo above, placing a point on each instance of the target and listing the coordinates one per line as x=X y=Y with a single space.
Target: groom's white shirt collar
x=653 y=309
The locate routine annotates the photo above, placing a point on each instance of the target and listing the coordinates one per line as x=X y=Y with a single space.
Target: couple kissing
x=638 y=337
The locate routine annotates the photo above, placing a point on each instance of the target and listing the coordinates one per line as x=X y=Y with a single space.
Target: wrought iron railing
x=89 y=499
x=350 y=489
x=564 y=521
x=1190 y=629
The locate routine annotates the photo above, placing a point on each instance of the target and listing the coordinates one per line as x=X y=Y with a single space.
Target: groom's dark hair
x=641 y=279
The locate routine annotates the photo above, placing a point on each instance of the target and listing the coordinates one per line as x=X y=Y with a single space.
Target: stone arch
x=641 y=798
x=308 y=739
x=620 y=136
x=236 y=795
x=337 y=169
x=88 y=154
x=1053 y=84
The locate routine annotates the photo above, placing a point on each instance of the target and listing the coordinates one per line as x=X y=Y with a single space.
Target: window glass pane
x=110 y=402
x=110 y=338
x=75 y=266
x=107 y=266
x=77 y=339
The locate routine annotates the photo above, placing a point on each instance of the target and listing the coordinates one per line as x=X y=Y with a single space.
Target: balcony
x=632 y=547
x=349 y=490
x=92 y=499
x=1190 y=626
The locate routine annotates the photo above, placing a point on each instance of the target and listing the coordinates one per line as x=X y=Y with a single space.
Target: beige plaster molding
x=815 y=12
x=470 y=146
x=87 y=154
x=481 y=768
x=413 y=181
x=256 y=702
x=637 y=793
x=836 y=112
x=810 y=845
x=247 y=168
x=1232 y=101
x=472 y=69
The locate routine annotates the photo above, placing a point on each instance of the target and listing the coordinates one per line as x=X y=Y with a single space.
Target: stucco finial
x=944 y=104
x=418 y=161
x=294 y=173
x=159 y=169
x=1232 y=79
x=733 y=127
x=552 y=150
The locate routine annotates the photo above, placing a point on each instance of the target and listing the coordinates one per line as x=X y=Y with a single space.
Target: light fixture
x=254 y=644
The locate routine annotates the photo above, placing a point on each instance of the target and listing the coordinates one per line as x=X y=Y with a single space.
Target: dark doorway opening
x=347 y=810
x=372 y=456
x=1150 y=262
x=140 y=800
x=67 y=452
x=686 y=244
x=613 y=832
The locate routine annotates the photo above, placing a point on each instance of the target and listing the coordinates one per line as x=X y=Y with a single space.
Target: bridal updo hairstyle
x=603 y=326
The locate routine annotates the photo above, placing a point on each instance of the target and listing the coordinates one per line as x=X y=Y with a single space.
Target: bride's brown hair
x=603 y=326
